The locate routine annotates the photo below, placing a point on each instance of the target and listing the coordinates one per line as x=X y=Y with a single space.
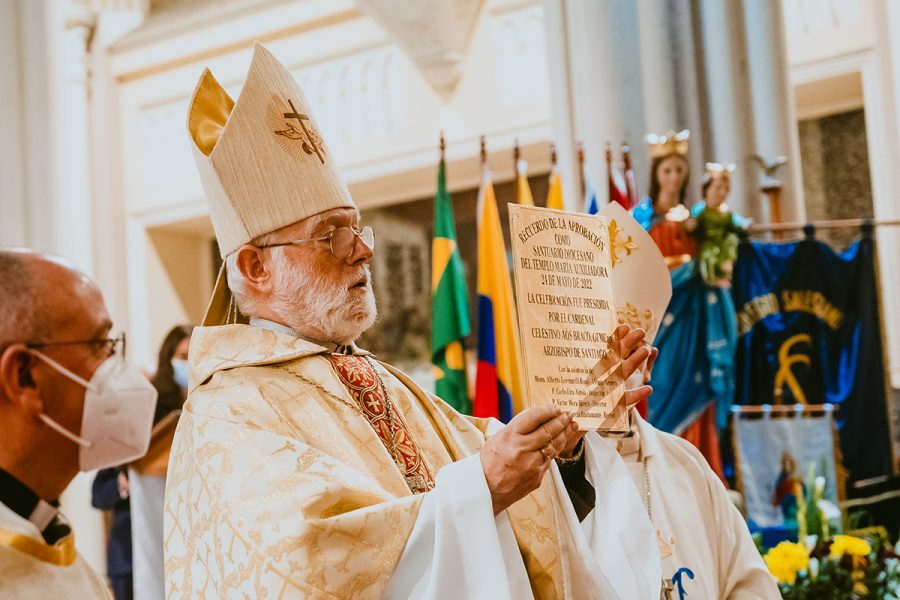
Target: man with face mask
x=303 y=467
x=68 y=402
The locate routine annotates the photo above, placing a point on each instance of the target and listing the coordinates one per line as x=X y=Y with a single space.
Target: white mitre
x=262 y=162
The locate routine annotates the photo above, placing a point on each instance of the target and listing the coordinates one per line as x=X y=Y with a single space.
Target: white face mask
x=180 y=372
x=118 y=414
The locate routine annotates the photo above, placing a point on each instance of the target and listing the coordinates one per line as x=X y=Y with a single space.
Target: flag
x=618 y=191
x=497 y=391
x=555 y=195
x=591 y=204
x=449 y=304
x=523 y=190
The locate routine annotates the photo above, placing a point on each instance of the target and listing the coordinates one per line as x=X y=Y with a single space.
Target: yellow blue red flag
x=497 y=382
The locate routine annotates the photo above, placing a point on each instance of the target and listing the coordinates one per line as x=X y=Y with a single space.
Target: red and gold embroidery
x=365 y=387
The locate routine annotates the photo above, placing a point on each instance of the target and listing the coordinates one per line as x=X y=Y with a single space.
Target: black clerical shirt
x=23 y=501
x=580 y=490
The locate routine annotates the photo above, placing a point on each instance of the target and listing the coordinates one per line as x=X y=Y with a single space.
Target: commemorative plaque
x=567 y=315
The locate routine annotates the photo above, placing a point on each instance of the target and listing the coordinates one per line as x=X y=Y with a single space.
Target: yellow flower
x=848 y=544
x=786 y=560
x=860 y=589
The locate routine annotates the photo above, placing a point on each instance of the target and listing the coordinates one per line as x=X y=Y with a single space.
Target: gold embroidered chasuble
x=279 y=486
x=31 y=568
x=370 y=396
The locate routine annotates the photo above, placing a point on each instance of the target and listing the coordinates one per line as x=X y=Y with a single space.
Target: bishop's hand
x=516 y=458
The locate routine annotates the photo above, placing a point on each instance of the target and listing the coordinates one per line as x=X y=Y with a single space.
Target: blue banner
x=809 y=332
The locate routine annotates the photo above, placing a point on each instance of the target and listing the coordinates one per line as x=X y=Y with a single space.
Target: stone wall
x=836 y=175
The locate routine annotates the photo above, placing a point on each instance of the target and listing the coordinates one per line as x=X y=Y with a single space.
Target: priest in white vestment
x=32 y=567
x=69 y=402
x=706 y=550
x=302 y=467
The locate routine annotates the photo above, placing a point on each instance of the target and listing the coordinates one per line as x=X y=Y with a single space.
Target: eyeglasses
x=342 y=241
x=106 y=346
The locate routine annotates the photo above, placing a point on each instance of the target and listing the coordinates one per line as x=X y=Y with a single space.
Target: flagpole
x=783 y=409
x=581 y=170
x=552 y=168
x=517 y=154
x=827 y=224
x=630 y=183
x=608 y=171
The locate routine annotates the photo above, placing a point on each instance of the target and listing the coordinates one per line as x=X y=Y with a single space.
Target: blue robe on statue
x=696 y=341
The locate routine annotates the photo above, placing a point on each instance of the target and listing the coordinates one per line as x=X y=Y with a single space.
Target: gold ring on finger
x=547 y=451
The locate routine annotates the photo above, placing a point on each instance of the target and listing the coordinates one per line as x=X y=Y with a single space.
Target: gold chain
x=356 y=407
x=647 y=503
x=321 y=388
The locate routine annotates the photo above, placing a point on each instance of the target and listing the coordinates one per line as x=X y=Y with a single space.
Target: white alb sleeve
x=457 y=548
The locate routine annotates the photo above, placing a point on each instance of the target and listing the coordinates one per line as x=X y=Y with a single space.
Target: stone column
x=107 y=174
x=672 y=96
x=27 y=157
x=881 y=88
x=657 y=67
x=13 y=225
x=729 y=109
x=561 y=98
x=773 y=110
x=45 y=191
x=74 y=206
x=690 y=86
x=603 y=87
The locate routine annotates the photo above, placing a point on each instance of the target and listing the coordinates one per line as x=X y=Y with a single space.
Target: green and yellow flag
x=449 y=304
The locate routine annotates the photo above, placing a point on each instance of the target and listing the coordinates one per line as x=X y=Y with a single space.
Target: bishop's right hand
x=516 y=458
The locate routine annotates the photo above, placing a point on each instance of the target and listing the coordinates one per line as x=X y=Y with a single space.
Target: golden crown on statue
x=668 y=144
x=716 y=170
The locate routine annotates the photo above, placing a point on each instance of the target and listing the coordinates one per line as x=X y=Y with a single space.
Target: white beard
x=319 y=309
